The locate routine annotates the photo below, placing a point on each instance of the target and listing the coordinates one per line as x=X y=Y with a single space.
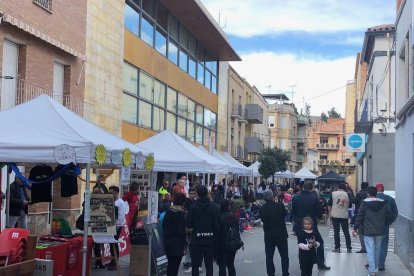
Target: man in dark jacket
x=373 y=218
x=19 y=201
x=394 y=212
x=360 y=196
x=307 y=205
x=272 y=215
x=203 y=219
x=248 y=195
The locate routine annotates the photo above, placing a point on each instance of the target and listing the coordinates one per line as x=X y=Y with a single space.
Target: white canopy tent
x=242 y=170
x=286 y=174
x=231 y=167
x=255 y=168
x=305 y=173
x=33 y=129
x=174 y=154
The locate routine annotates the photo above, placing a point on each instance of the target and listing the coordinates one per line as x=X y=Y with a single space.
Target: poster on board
x=102 y=214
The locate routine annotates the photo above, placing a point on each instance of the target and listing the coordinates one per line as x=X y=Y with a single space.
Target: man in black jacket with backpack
x=203 y=219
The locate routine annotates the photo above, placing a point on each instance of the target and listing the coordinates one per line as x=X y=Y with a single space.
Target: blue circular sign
x=355 y=141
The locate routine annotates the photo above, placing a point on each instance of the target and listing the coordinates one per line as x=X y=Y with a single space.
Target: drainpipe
x=389 y=81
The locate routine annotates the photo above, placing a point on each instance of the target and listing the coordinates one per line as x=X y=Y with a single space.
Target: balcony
x=253 y=144
x=17 y=91
x=237 y=112
x=301 y=140
x=46 y=4
x=238 y=152
x=335 y=163
x=254 y=114
x=327 y=146
x=300 y=158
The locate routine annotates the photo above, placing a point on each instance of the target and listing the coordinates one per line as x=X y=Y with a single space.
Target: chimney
x=399 y=2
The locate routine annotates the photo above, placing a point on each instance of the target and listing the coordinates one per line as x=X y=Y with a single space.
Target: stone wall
x=404 y=241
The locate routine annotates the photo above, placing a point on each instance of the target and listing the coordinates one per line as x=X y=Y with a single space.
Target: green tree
x=333 y=113
x=272 y=161
x=324 y=118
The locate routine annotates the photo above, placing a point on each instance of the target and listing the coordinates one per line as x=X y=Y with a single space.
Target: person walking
x=203 y=220
x=249 y=195
x=192 y=197
x=273 y=215
x=19 y=202
x=360 y=196
x=373 y=218
x=394 y=212
x=338 y=212
x=307 y=205
x=308 y=241
x=175 y=242
x=226 y=254
x=132 y=199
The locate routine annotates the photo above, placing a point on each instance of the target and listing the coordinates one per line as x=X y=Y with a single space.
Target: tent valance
x=331 y=176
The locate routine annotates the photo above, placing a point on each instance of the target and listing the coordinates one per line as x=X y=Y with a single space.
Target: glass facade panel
x=131 y=18
x=173 y=27
x=147 y=31
x=149 y=7
x=190 y=131
x=192 y=45
x=171 y=121
x=161 y=42
x=182 y=105
x=159 y=93
x=144 y=118
x=171 y=100
x=183 y=37
x=214 y=84
x=200 y=73
x=145 y=86
x=158 y=123
x=173 y=52
x=199 y=134
x=213 y=138
x=199 y=114
x=181 y=127
x=183 y=61
x=191 y=110
x=130 y=75
x=213 y=120
x=207 y=81
x=192 y=67
x=214 y=67
x=162 y=15
x=129 y=109
x=207 y=117
x=206 y=133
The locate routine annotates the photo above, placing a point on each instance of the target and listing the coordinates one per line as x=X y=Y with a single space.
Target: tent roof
x=242 y=169
x=330 y=176
x=285 y=174
x=174 y=154
x=305 y=174
x=33 y=129
x=255 y=168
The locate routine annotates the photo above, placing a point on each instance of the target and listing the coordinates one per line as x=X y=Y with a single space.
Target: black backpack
x=234 y=241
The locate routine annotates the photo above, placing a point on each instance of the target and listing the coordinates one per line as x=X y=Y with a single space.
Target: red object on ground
x=66 y=254
x=13 y=245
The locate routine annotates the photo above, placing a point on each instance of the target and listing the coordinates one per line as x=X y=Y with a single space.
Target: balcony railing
x=237 y=111
x=328 y=146
x=17 y=91
x=239 y=152
x=47 y=4
x=300 y=158
x=337 y=163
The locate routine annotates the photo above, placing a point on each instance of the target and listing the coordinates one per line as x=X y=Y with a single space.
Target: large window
x=171 y=100
x=130 y=79
x=150 y=103
x=153 y=23
x=145 y=86
x=131 y=20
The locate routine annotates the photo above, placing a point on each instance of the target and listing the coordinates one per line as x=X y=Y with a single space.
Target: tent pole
x=86 y=218
x=7 y=196
x=225 y=186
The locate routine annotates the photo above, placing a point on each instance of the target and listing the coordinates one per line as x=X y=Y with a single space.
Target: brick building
x=42 y=48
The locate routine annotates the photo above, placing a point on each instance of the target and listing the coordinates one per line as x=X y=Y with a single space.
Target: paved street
x=252 y=261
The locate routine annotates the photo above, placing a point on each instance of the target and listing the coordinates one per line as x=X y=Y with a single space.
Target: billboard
x=355 y=142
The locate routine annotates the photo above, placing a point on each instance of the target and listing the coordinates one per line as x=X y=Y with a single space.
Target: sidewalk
x=354 y=264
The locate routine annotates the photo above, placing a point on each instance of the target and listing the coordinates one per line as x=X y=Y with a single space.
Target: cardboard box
x=138 y=262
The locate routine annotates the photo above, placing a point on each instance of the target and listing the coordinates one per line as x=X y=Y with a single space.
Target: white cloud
x=263 y=17
x=312 y=75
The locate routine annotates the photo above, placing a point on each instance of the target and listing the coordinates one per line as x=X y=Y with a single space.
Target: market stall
x=329 y=181
x=255 y=168
x=49 y=133
x=305 y=173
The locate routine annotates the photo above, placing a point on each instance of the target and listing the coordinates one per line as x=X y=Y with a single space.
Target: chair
x=13 y=245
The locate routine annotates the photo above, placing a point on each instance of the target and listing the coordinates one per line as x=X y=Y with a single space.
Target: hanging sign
x=102 y=214
x=152 y=207
x=116 y=157
x=100 y=154
x=125 y=176
x=126 y=157
x=139 y=160
x=355 y=142
x=149 y=162
x=64 y=154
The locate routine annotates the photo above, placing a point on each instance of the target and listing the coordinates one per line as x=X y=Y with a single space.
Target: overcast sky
x=308 y=43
